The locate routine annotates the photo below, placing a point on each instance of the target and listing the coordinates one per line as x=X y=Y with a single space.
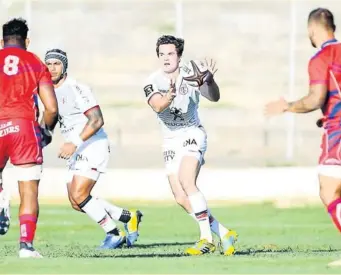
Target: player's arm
x=210 y=90
x=48 y=98
x=159 y=102
x=311 y=102
x=95 y=122
x=318 y=88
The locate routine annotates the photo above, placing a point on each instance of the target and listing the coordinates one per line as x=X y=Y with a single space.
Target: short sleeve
x=150 y=88
x=45 y=76
x=318 y=71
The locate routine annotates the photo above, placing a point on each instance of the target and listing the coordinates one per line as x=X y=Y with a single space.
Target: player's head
x=57 y=63
x=14 y=32
x=169 y=50
x=320 y=26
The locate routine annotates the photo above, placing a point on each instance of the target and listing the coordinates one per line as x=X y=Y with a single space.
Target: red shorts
x=20 y=141
x=331 y=147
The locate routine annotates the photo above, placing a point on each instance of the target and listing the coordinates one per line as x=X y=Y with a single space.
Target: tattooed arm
x=95 y=122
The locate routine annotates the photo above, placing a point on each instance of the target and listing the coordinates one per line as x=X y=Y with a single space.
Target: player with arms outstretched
x=325 y=94
x=175 y=101
x=23 y=77
x=87 y=150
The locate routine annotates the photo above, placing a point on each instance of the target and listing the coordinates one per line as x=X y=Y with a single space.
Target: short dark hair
x=324 y=17
x=15 y=29
x=170 y=39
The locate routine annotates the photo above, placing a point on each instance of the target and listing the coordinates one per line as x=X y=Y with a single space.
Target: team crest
x=183 y=89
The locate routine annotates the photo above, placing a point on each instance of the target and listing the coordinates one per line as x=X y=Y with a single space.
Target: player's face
x=56 y=69
x=169 y=59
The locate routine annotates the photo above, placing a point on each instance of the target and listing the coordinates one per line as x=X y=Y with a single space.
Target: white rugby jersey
x=182 y=113
x=74 y=99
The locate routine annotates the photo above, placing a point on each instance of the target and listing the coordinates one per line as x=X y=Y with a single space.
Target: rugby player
x=175 y=101
x=23 y=78
x=325 y=94
x=87 y=151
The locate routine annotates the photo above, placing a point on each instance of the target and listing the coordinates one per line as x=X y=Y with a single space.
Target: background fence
x=262 y=49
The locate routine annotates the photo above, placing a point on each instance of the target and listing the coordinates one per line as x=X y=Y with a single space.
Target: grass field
x=271 y=240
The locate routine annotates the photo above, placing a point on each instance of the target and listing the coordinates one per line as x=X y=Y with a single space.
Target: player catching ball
x=173 y=92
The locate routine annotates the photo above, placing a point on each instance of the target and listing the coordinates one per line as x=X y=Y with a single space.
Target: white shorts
x=333 y=171
x=91 y=159
x=192 y=142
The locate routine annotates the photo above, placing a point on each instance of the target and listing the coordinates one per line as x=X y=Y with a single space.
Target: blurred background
x=262 y=52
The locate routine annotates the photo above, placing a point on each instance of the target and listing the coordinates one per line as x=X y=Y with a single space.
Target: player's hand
x=67 y=150
x=211 y=70
x=276 y=107
x=171 y=94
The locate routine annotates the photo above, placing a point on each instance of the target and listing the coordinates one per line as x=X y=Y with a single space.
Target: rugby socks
x=28 y=225
x=334 y=209
x=216 y=227
x=115 y=212
x=199 y=207
x=95 y=210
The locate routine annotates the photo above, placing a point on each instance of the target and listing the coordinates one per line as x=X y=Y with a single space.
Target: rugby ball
x=194 y=72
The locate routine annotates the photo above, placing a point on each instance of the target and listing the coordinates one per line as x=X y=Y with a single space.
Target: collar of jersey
x=13 y=46
x=328 y=42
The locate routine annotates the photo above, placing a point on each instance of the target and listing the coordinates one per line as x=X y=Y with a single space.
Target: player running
x=87 y=150
x=325 y=94
x=185 y=140
x=23 y=77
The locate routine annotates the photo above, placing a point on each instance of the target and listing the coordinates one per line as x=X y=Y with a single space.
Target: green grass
x=271 y=240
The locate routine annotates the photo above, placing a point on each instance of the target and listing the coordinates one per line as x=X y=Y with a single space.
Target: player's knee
x=180 y=199
x=188 y=183
x=78 y=195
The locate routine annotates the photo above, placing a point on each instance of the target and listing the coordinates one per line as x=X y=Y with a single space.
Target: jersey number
x=11 y=65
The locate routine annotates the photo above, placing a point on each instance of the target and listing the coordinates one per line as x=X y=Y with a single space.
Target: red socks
x=334 y=209
x=28 y=225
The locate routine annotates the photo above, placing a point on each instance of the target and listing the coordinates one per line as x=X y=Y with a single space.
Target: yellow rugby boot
x=227 y=243
x=201 y=247
x=132 y=227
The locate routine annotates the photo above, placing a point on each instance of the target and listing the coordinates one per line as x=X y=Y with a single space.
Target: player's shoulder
x=325 y=53
x=32 y=57
x=77 y=86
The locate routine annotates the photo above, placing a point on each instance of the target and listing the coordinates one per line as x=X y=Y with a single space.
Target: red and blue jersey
x=325 y=68
x=21 y=74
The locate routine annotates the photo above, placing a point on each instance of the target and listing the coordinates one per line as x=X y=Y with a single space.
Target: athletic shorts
x=191 y=142
x=20 y=141
x=91 y=158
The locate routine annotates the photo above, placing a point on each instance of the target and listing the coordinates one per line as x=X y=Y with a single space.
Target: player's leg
x=28 y=180
x=25 y=153
x=329 y=172
x=188 y=172
x=182 y=199
x=193 y=145
x=4 y=208
x=80 y=193
x=330 y=194
x=130 y=218
x=4 y=196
